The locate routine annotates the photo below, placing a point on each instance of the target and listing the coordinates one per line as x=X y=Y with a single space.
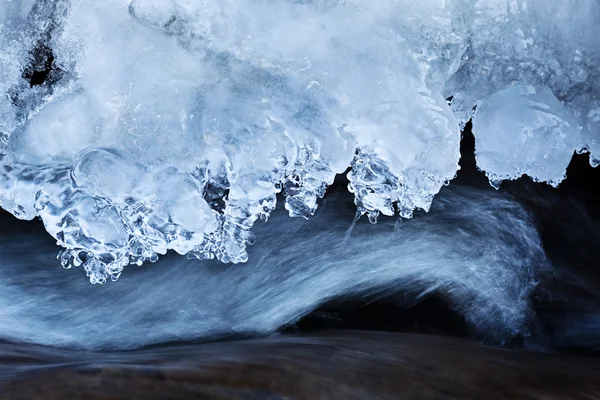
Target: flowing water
x=506 y=268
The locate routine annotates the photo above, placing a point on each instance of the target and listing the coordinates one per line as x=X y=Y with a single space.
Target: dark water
x=333 y=365
x=324 y=308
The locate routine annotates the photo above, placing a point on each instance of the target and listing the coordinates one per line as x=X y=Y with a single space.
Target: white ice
x=173 y=124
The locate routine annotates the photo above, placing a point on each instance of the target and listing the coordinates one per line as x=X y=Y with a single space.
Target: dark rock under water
x=330 y=365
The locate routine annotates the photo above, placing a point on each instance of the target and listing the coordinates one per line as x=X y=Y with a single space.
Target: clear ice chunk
x=524 y=130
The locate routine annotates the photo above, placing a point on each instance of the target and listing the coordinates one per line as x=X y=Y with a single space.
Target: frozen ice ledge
x=132 y=128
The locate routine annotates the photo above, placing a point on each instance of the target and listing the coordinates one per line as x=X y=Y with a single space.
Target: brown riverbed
x=336 y=365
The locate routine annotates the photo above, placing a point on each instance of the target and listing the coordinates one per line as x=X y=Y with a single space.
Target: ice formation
x=135 y=127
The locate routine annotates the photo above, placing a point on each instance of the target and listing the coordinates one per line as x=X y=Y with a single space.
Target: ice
x=137 y=127
x=520 y=46
x=524 y=130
